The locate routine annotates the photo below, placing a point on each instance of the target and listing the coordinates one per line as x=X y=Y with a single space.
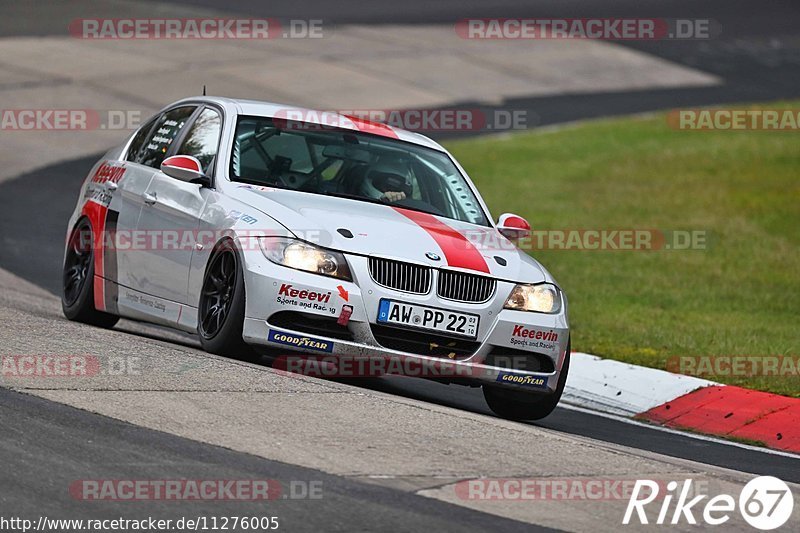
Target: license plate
x=428 y=318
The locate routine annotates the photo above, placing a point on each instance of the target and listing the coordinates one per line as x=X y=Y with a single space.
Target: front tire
x=220 y=318
x=77 y=288
x=519 y=405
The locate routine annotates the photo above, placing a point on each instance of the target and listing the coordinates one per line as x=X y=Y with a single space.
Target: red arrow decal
x=343 y=293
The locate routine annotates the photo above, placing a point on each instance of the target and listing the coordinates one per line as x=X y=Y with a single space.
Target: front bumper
x=502 y=354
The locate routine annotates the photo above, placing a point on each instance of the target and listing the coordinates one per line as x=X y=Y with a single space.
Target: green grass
x=740 y=296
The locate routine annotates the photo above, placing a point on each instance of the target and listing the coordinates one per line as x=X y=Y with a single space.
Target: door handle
x=150 y=198
x=111 y=185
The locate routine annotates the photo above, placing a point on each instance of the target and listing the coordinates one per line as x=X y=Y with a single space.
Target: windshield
x=322 y=160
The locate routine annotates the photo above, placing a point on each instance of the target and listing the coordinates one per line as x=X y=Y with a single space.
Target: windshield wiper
x=262 y=183
x=352 y=197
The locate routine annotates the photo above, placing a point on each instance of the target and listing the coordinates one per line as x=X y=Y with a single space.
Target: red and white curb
x=683 y=402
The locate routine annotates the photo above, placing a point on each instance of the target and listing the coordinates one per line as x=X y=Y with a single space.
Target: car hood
x=392 y=232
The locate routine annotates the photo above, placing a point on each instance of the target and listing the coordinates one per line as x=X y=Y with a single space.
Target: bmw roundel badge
x=432 y=256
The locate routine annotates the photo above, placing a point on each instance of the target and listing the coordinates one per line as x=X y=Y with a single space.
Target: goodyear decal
x=526 y=381
x=300 y=341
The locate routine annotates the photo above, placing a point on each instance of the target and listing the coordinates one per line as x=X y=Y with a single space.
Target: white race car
x=256 y=224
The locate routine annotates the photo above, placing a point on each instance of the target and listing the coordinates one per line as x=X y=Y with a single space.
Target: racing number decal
x=458 y=250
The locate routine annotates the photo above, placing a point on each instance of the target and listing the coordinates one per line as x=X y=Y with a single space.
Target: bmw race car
x=261 y=225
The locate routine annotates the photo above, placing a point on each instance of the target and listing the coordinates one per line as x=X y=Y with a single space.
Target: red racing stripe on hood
x=458 y=250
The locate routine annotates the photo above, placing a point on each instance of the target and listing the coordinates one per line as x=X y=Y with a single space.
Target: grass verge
x=739 y=295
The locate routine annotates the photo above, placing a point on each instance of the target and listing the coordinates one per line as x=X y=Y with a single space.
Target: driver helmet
x=386 y=175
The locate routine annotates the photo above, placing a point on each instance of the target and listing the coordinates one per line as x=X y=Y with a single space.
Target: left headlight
x=304 y=256
x=541 y=298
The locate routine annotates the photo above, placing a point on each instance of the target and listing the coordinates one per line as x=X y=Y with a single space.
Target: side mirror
x=185 y=168
x=513 y=226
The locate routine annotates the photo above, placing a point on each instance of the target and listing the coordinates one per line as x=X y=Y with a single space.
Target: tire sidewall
x=520 y=405
x=83 y=309
x=229 y=336
x=86 y=294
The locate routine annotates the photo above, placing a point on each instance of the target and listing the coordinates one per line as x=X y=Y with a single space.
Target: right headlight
x=540 y=298
x=304 y=256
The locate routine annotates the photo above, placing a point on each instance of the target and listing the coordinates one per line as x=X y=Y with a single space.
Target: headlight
x=542 y=298
x=303 y=256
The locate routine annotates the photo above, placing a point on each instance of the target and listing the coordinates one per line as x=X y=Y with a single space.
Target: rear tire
x=520 y=405
x=77 y=288
x=220 y=317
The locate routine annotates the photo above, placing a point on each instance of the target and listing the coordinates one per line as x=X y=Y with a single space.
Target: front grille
x=463 y=287
x=423 y=343
x=404 y=277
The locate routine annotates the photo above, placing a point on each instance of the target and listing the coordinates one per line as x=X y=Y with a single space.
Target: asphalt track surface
x=54 y=445
x=50 y=442
x=754 y=64
x=757 y=53
x=747 y=18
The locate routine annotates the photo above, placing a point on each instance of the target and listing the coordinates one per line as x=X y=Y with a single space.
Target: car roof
x=313 y=116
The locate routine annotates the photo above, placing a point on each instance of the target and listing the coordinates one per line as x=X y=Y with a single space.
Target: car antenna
x=204 y=89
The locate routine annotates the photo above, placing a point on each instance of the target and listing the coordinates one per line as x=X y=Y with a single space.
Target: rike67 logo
x=766 y=503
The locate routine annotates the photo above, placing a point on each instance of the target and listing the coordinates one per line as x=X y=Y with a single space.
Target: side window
x=167 y=128
x=202 y=139
x=138 y=141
